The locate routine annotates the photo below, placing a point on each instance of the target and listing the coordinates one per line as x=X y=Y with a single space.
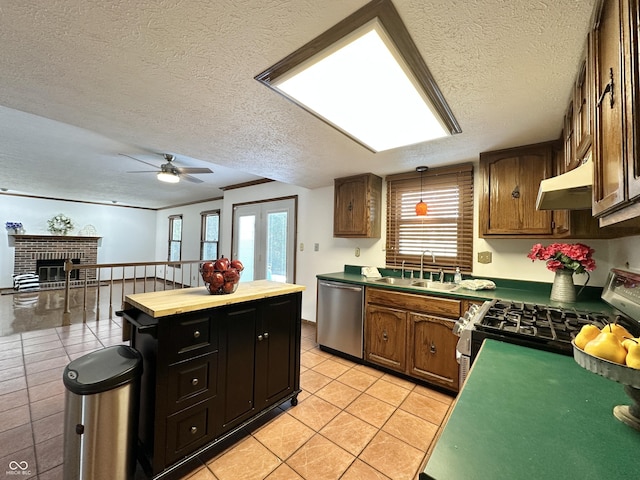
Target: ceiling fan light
x=168 y=177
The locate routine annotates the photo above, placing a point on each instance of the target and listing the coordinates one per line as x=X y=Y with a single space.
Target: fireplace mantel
x=47 y=237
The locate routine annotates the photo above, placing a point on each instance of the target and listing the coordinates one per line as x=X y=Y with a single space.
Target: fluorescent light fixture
x=168 y=177
x=366 y=78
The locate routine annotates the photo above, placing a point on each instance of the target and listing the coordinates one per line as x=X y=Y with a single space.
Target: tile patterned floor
x=351 y=422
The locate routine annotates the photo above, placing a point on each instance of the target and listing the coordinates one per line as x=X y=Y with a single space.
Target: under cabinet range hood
x=569 y=191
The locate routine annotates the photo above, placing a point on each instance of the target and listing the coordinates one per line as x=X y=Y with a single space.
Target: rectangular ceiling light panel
x=361 y=85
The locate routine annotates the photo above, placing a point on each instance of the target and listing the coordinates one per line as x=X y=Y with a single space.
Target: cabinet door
x=350 y=215
x=275 y=351
x=238 y=332
x=610 y=132
x=511 y=180
x=386 y=336
x=432 y=350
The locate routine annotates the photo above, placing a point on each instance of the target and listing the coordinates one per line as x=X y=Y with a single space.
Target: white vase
x=563 y=289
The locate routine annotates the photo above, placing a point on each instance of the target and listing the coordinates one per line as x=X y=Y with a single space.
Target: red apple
x=231 y=275
x=237 y=264
x=213 y=289
x=221 y=264
x=207 y=267
x=228 y=287
x=217 y=280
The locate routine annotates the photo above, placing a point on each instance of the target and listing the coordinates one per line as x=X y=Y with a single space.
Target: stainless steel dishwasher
x=339 y=317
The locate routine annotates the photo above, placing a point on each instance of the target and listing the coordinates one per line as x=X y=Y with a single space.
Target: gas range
x=545 y=327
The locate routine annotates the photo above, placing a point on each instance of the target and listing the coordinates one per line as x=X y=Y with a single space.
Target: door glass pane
x=246 y=245
x=277 y=246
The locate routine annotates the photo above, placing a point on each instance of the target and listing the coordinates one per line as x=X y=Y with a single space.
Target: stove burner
x=538 y=321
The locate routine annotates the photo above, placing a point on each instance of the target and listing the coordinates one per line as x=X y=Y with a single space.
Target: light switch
x=302 y=247
x=316 y=247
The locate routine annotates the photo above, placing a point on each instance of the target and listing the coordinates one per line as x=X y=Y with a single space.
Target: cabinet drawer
x=446 y=307
x=192 y=381
x=189 y=429
x=189 y=338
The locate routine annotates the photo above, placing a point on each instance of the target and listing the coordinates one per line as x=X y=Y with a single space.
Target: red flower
x=565 y=256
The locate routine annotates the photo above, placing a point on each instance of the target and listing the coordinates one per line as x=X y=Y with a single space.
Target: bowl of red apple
x=221 y=277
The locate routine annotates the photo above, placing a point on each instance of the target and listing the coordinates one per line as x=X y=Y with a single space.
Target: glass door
x=264 y=239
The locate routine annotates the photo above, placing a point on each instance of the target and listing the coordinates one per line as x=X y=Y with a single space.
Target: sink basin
x=394 y=280
x=433 y=285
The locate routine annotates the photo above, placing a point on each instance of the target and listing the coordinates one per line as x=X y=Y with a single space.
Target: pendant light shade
x=421 y=207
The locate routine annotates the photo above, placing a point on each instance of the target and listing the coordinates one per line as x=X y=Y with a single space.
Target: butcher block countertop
x=183 y=300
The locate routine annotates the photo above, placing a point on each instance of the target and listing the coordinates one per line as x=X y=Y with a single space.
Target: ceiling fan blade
x=194 y=170
x=191 y=179
x=143 y=171
x=138 y=160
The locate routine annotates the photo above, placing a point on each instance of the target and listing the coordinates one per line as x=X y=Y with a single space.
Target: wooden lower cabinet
x=210 y=373
x=386 y=337
x=412 y=334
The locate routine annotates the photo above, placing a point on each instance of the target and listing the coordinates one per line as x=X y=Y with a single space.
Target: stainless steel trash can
x=101 y=414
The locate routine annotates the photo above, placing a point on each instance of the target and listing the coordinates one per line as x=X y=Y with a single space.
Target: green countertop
x=530 y=414
x=513 y=290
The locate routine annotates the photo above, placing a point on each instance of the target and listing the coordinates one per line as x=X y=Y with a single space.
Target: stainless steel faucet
x=402 y=274
x=441 y=275
x=433 y=260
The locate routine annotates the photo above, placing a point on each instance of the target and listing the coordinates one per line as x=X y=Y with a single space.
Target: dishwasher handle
x=340 y=286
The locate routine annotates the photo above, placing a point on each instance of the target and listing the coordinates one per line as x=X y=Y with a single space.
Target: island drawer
x=188 y=337
x=192 y=381
x=189 y=429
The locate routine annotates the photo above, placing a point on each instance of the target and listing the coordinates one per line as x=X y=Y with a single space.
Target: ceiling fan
x=169 y=172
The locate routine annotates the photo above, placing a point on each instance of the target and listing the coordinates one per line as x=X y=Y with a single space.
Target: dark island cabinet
x=207 y=374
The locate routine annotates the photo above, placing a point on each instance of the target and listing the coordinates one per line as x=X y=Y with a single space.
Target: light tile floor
x=351 y=422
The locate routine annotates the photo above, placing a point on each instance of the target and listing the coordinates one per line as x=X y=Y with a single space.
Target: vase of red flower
x=565 y=259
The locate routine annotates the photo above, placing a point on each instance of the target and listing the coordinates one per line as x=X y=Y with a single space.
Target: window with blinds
x=446 y=232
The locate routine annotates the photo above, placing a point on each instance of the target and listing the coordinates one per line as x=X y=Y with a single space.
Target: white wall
x=128 y=234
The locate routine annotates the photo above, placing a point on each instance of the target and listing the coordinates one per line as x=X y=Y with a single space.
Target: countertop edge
x=158 y=304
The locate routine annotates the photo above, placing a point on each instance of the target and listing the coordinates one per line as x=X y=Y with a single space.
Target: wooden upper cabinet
x=582 y=109
x=616 y=188
x=511 y=179
x=357 y=206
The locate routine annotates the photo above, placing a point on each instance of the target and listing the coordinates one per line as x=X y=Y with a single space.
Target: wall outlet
x=357 y=251
x=485 y=257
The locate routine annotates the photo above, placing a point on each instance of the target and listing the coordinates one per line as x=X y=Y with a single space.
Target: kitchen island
x=526 y=413
x=213 y=365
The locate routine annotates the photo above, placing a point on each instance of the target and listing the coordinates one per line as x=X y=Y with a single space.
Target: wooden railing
x=139 y=277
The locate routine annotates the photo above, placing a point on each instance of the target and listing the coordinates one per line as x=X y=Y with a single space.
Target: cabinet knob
x=194 y=430
x=385 y=337
x=194 y=382
x=266 y=334
x=608 y=89
x=260 y=337
x=196 y=334
x=433 y=348
x=516 y=192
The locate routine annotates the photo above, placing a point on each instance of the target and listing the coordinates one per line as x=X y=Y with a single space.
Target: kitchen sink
x=431 y=285
x=394 y=280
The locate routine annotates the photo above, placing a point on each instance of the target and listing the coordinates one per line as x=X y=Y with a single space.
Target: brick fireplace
x=32 y=251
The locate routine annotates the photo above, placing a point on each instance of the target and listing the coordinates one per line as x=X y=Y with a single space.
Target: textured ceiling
x=84 y=80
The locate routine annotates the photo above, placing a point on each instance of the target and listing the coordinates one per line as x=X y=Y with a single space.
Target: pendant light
x=421 y=207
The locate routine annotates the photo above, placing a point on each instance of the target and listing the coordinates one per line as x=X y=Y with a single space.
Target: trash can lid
x=103 y=370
